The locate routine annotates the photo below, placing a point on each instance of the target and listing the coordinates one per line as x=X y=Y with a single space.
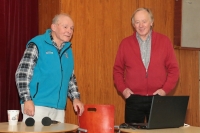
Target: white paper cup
x=12 y=128
x=13 y=116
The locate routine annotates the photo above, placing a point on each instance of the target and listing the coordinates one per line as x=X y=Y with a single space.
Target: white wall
x=190 y=24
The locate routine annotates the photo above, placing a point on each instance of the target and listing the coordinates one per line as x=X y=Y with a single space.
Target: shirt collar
x=54 y=43
x=148 y=37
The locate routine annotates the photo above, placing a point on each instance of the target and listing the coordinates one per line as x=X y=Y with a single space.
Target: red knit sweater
x=129 y=71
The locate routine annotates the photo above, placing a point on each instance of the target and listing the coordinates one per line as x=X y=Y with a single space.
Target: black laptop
x=166 y=112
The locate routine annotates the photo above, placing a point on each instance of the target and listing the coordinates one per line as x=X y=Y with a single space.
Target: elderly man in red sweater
x=145 y=66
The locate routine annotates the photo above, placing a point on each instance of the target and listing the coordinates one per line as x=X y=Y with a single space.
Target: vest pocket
x=36 y=90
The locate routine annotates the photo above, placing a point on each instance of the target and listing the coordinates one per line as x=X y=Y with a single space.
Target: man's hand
x=29 y=108
x=160 y=92
x=78 y=106
x=127 y=92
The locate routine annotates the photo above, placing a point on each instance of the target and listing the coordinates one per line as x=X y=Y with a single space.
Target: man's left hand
x=160 y=92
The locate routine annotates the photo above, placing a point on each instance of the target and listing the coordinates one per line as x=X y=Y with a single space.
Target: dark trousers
x=137 y=108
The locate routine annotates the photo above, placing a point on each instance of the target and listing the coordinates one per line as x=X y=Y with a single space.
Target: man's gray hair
x=56 y=17
x=140 y=9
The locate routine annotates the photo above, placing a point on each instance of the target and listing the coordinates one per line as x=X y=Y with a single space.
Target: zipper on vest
x=60 y=56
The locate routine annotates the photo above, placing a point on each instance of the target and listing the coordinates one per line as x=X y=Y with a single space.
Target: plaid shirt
x=24 y=74
x=145 y=49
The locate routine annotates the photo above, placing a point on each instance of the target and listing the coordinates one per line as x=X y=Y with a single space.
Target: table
x=37 y=128
x=186 y=129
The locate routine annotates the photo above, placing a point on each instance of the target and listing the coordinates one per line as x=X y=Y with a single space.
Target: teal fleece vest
x=51 y=75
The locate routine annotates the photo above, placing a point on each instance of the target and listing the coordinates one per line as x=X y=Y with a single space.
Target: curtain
x=18 y=24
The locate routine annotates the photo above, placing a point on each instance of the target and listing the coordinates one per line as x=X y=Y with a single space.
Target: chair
x=97 y=119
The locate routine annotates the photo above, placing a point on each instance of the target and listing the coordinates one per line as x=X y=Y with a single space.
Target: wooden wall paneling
x=94 y=52
x=47 y=10
x=188 y=83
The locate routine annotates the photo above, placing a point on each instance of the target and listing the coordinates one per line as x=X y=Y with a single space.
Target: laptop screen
x=166 y=112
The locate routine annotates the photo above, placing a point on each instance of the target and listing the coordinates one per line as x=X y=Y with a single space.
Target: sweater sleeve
x=172 y=68
x=119 y=70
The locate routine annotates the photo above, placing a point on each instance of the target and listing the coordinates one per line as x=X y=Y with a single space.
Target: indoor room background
x=100 y=25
